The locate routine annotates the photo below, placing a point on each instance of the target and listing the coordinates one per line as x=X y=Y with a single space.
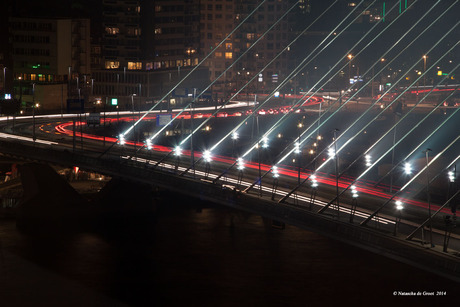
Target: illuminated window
x=33 y=77
x=218 y=54
x=228 y=46
x=112 y=30
x=112 y=64
x=250 y=36
x=134 y=31
x=190 y=51
x=148 y=66
x=41 y=77
x=134 y=65
x=157 y=8
x=228 y=55
x=157 y=30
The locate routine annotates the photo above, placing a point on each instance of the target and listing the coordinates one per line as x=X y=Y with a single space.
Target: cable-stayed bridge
x=369 y=169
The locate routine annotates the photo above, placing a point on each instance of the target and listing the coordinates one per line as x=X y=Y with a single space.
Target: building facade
x=48 y=52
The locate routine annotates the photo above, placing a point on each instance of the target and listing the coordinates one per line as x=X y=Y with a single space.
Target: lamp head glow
x=240 y=164
x=399 y=205
x=354 y=192
x=265 y=142
x=451 y=176
x=207 y=156
x=148 y=144
x=177 y=151
x=297 y=147
x=314 y=182
x=368 y=160
x=331 y=152
x=235 y=136
x=407 y=168
x=121 y=139
x=275 y=172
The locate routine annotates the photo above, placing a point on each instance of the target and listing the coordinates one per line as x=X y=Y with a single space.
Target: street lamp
x=207 y=156
x=240 y=167
x=354 y=203
x=177 y=153
x=368 y=159
x=121 y=139
x=298 y=150
x=235 y=137
x=314 y=190
x=148 y=144
x=275 y=181
x=399 y=206
x=33 y=112
x=349 y=56
x=407 y=168
x=134 y=121
x=424 y=69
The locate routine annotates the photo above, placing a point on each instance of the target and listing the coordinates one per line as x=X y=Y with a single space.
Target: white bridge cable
x=349 y=140
x=317 y=127
x=401 y=139
x=215 y=80
x=294 y=72
x=410 y=181
x=260 y=71
x=314 y=123
x=195 y=68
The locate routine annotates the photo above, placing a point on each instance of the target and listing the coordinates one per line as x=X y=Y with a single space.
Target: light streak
x=222 y=73
x=255 y=76
x=198 y=65
x=292 y=74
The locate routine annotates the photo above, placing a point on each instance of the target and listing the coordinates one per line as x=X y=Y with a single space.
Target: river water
x=192 y=254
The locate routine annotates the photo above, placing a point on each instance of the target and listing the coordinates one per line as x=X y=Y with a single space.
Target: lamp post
x=192 y=153
x=428 y=196
x=399 y=206
x=33 y=112
x=134 y=121
x=349 y=56
x=354 y=203
x=299 y=150
x=424 y=69
x=4 y=80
